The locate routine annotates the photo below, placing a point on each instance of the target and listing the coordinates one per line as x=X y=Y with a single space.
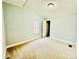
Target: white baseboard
x=29 y=40
x=35 y=37
x=64 y=41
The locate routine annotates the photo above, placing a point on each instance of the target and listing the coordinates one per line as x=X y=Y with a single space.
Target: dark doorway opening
x=48 y=29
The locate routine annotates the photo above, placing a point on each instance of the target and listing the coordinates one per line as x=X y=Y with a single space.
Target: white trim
x=35 y=37
x=64 y=41
x=19 y=43
x=65 y=13
x=13 y=3
x=29 y=40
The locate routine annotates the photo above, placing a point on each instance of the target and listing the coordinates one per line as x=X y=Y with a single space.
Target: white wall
x=18 y=23
x=64 y=27
x=3 y=39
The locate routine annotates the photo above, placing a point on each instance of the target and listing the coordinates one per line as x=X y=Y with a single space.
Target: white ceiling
x=61 y=6
x=16 y=2
x=40 y=6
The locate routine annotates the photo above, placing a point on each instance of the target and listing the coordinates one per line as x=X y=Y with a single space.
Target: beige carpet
x=44 y=48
